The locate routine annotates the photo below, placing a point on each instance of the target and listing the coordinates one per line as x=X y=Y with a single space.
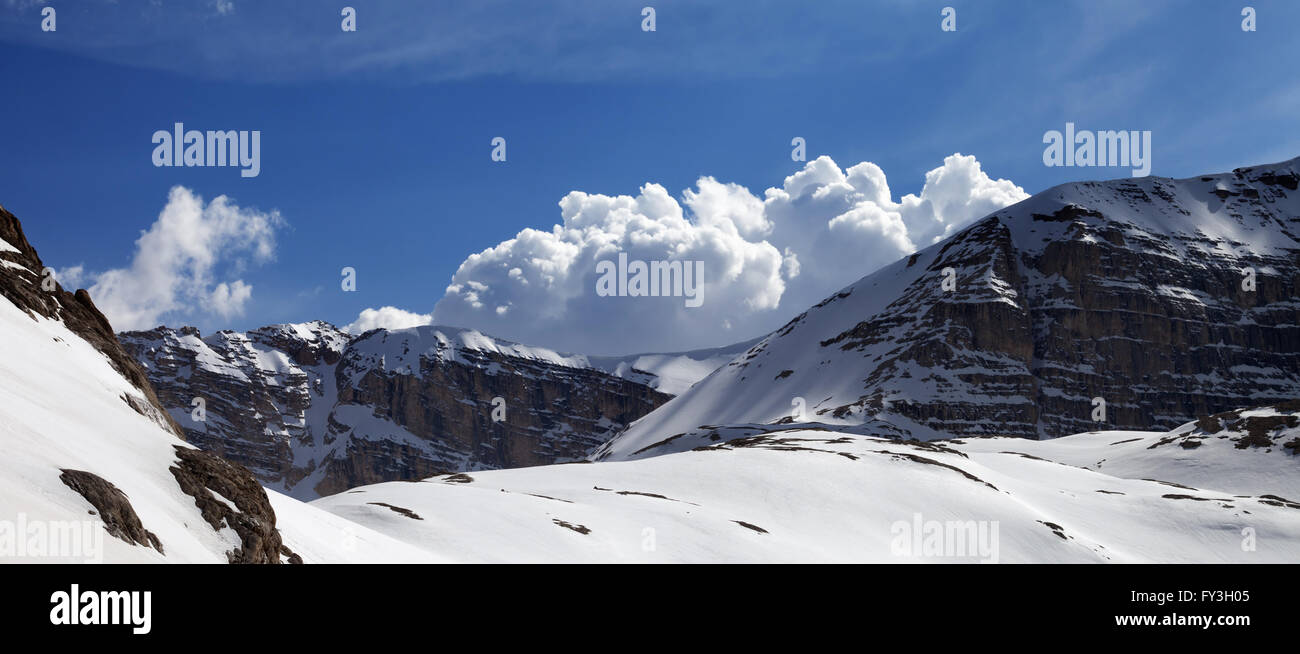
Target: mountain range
x=1106 y=371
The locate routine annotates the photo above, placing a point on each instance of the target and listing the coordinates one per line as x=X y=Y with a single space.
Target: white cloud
x=843 y=224
x=71 y=277
x=764 y=260
x=228 y=300
x=539 y=286
x=387 y=318
x=177 y=259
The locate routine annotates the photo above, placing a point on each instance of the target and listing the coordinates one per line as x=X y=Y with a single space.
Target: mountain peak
x=1125 y=304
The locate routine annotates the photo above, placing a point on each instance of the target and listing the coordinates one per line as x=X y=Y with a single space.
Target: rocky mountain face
x=245 y=397
x=1125 y=304
x=314 y=411
x=84 y=434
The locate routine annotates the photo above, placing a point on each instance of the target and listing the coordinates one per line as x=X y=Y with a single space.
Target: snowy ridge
x=672 y=373
x=400 y=350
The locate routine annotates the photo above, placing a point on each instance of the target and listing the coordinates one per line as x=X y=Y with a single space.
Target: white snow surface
x=671 y=373
x=61 y=407
x=823 y=496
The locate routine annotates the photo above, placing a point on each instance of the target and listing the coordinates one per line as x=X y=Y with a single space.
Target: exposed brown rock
x=200 y=474
x=112 y=506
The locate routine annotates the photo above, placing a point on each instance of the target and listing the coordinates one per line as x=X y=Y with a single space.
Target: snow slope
x=61 y=407
x=1219 y=452
x=671 y=373
x=322 y=537
x=805 y=495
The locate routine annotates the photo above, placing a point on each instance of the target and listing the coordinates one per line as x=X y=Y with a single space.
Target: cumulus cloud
x=763 y=259
x=387 y=318
x=843 y=224
x=178 y=259
x=539 y=286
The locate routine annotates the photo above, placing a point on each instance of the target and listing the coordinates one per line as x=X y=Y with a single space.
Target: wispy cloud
x=569 y=40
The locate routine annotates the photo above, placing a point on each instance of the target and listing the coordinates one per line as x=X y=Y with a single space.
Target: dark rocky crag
x=257 y=390
x=314 y=411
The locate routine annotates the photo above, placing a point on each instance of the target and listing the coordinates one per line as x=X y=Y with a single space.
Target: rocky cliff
x=314 y=411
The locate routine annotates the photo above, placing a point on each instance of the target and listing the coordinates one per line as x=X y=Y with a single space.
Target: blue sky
x=375 y=144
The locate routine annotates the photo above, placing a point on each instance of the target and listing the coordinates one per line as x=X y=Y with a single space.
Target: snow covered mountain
x=1174 y=301
x=1163 y=299
x=312 y=410
x=84 y=439
x=94 y=470
x=1222 y=489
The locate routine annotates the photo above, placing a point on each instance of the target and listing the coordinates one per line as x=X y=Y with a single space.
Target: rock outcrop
x=112 y=506
x=229 y=497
